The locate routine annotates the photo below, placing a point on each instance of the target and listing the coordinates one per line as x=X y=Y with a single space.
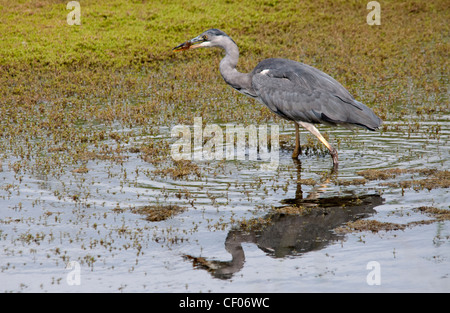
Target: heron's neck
x=239 y=81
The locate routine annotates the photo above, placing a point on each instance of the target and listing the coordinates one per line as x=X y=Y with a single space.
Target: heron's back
x=300 y=92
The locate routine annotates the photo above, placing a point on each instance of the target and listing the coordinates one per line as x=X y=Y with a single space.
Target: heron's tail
x=363 y=116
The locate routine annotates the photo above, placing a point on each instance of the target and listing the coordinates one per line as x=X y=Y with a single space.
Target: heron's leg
x=298 y=148
x=313 y=130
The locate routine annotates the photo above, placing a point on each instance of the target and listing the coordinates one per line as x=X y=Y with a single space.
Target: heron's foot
x=297 y=152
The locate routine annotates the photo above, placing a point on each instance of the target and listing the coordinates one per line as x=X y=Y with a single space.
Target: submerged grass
x=434 y=178
x=374 y=226
x=369 y=225
x=156 y=213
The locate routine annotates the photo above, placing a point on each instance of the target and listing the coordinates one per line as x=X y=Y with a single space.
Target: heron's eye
x=205 y=37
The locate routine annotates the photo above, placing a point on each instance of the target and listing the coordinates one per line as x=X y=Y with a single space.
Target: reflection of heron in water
x=292 y=234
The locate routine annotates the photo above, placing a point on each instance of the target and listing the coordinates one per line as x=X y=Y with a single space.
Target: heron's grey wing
x=303 y=75
x=299 y=92
x=287 y=99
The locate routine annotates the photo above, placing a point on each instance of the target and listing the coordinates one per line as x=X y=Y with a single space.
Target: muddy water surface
x=227 y=226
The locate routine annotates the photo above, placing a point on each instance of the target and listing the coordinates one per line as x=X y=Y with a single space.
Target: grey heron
x=294 y=91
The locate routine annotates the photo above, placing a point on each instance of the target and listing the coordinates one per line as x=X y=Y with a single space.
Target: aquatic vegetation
x=369 y=225
x=439 y=214
x=180 y=169
x=156 y=213
x=434 y=178
x=377 y=226
x=373 y=174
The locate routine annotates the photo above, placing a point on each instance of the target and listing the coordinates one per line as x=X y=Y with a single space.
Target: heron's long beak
x=190 y=44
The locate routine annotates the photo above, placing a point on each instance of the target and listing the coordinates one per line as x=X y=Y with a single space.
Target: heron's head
x=210 y=38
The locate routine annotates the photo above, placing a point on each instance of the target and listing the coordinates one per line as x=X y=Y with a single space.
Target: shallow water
x=232 y=236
